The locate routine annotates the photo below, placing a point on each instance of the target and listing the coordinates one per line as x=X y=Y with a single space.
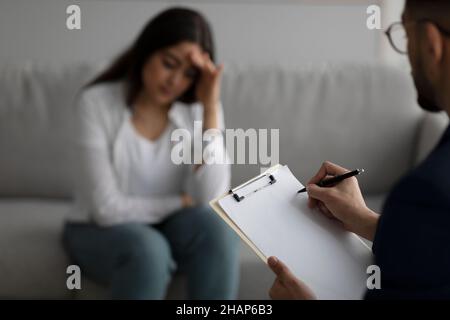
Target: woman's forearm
x=211 y=116
x=210 y=121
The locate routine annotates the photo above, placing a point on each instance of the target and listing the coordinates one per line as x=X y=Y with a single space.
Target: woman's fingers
x=209 y=64
x=205 y=64
x=197 y=60
x=219 y=70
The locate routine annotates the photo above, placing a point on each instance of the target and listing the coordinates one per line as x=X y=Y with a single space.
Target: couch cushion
x=32 y=262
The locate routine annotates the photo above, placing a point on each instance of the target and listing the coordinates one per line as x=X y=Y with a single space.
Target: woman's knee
x=144 y=244
x=215 y=232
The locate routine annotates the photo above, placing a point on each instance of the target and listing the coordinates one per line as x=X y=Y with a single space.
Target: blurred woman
x=139 y=216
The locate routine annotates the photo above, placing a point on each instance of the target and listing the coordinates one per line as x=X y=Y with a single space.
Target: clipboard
x=217 y=208
x=263 y=230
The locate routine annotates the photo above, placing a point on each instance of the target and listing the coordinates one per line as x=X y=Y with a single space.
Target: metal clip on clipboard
x=240 y=198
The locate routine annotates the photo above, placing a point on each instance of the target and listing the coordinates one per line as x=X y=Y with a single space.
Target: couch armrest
x=430 y=131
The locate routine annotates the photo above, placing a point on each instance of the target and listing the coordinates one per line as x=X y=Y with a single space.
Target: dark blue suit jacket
x=412 y=241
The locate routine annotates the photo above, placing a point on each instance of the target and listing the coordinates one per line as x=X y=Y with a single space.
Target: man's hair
x=434 y=10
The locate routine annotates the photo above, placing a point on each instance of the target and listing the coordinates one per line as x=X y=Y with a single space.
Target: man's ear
x=433 y=43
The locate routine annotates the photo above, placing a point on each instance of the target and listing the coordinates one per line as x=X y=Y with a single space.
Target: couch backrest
x=35 y=126
x=358 y=116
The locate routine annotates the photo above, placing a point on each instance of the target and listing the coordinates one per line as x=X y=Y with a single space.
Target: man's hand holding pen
x=342 y=202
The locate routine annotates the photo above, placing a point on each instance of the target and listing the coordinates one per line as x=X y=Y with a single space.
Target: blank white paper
x=332 y=261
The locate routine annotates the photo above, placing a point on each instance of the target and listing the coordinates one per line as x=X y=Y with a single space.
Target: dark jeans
x=137 y=260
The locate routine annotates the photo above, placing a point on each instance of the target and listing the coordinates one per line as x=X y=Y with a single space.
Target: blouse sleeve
x=96 y=182
x=212 y=178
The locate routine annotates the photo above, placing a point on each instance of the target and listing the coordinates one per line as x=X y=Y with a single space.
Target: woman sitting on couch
x=138 y=215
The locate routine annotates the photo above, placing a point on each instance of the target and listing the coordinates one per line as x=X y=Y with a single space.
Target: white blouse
x=122 y=176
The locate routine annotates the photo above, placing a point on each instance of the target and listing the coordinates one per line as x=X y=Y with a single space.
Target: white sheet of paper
x=332 y=261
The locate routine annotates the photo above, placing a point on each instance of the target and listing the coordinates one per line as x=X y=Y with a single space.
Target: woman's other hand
x=187 y=200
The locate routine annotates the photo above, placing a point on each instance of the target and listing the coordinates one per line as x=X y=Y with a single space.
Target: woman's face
x=169 y=72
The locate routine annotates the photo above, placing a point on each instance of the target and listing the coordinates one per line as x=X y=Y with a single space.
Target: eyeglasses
x=398 y=39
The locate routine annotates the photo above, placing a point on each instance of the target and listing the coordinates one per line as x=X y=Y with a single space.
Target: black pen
x=336 y=179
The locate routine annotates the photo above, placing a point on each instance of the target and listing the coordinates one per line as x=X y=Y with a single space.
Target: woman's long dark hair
x=168 y=28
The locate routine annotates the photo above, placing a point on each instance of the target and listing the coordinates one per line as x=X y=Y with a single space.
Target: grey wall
x=257 y=32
